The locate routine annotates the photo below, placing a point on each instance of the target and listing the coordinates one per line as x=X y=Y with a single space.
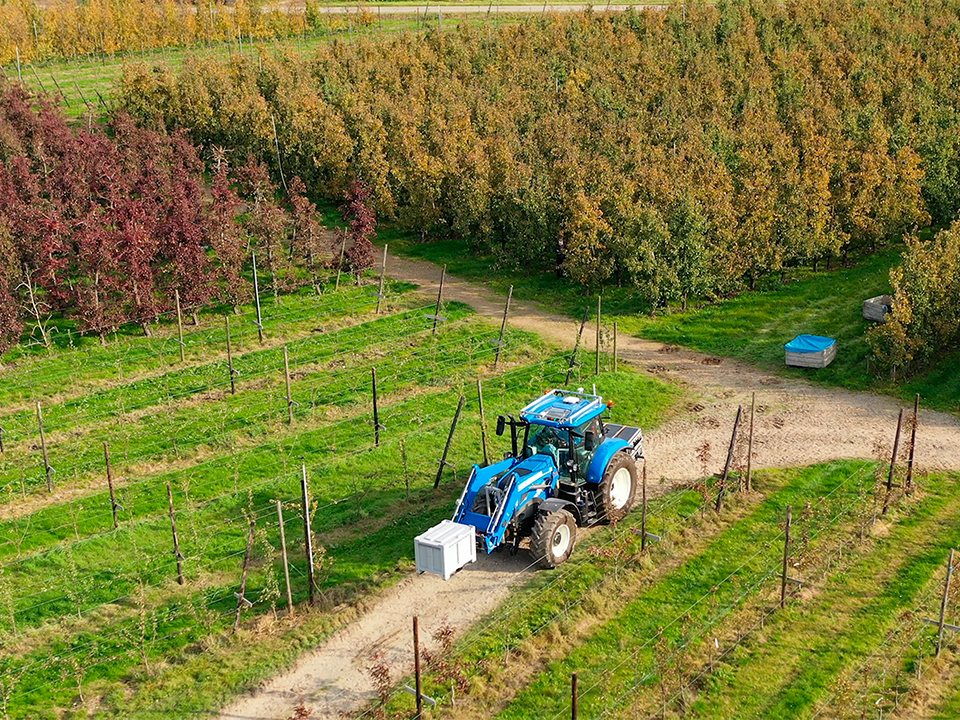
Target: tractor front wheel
x=618 y=488
x=553 y=538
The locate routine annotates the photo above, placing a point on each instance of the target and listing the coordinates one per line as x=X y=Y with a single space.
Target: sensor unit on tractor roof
x=567 y=468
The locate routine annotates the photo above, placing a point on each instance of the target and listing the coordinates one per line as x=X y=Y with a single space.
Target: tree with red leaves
x=307 y=241
x=357 y=211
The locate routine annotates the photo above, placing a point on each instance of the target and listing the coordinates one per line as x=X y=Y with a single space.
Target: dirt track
x=797 y=424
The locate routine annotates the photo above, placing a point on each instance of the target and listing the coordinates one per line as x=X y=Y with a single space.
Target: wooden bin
x=877 y=307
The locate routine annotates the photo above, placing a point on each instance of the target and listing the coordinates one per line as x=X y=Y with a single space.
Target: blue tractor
x=567 y=468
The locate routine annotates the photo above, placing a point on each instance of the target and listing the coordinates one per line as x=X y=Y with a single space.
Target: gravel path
x=796 y=424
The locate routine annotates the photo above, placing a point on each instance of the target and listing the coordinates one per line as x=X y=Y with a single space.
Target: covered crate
x=445 y=548
x=811 y=351
x=877 y=307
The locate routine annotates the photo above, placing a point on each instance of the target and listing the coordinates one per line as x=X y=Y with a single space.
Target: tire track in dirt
x=796 y=424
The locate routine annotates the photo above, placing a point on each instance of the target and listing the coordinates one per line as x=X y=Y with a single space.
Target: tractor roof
x=563 y=409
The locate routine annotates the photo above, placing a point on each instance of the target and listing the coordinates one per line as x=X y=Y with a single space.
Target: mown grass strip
x=685 y=602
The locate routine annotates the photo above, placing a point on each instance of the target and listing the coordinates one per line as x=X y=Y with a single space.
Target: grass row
x=81 y=363
x=214 y=422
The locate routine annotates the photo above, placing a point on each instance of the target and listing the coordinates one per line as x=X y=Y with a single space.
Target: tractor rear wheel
x=553 y=538
x=618 y=488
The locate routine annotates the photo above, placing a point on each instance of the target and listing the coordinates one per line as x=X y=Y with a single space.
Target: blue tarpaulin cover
x=809 y=344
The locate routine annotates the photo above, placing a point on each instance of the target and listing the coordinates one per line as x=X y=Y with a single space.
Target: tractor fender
x=602 y=458
x=553 y=504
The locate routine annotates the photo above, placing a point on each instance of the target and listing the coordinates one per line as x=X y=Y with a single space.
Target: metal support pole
x=113 y=497
x=893 y=462
x=19 y=72
x=597 y=369
x=573 y=696
x=726 y=467
x=416 y=665
x=283 y=552
x=176 y=540
x=503 y=327
x=483 y=424
x=376 y=409
x=753 y=410
x=233 y=373
x=643 y=515
x=241 y=600
x=436 y=316
x=943 y=602
x=43 y=445
x=576 y=346
x=786 y=557
x=286 y=377
x=176 y=297
x=308 y=535
x=913 y=439
x=256 y=298
x=446 y=448
x=383 y=272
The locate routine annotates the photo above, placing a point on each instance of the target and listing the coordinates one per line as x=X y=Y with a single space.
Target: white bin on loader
x=445 y=548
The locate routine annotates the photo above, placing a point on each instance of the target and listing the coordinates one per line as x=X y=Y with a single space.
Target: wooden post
x=614 y=346
x=256 y=297
x=573 y=696
x=446 y=448
x=82 y=98
x=2 y=432
x=416 y=665
x=176 y=297
x=943 y=602
x=376 y=409
x=726 y=467
x=597 y=369
x=893 y=462
x=436 y=317
x=913 y=439
x=753 y=410
x=241 y=600
x=343 y=247
x=113 y=497
x=43 y=446
x=786 y=557
x=37 y=76
x=19 y=73
x=483 y=424
x=233 y=373
x=286 y=377
x=176 y=540
x=576 y=346
x=383 y=268
x=503 y=327
x=643 y=514
x=283 y=552
x=308 y=535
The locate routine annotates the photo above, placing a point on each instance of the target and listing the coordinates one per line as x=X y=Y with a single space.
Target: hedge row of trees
x=925 y=321
x=686 y=152
x=106 y=226
x=67 y=29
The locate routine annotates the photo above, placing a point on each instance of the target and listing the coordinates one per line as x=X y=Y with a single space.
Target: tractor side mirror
x=501 y=425
x=590 y=441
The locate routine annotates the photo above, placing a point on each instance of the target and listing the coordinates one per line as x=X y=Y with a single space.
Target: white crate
x=445 y=548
